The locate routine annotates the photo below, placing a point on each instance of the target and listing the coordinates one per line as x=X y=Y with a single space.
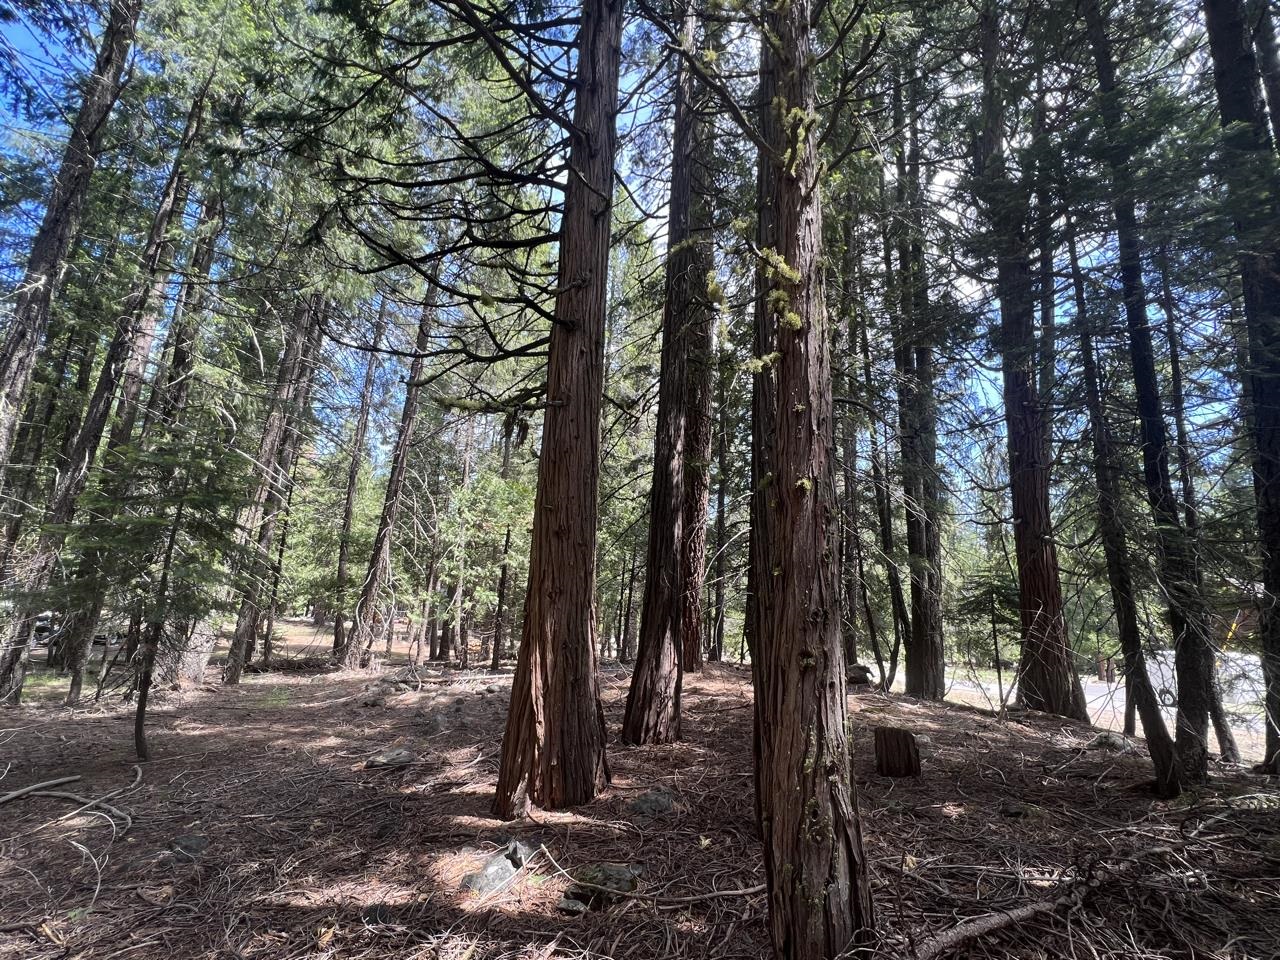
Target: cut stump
x=897 y=754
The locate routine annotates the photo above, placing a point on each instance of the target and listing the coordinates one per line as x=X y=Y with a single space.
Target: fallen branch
x=37 y=786
x=649 y=897
x=979 y=926
x=87 y=803
x=1074 y=892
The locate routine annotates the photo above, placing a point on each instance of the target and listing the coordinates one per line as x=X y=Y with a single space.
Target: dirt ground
x=295 y=850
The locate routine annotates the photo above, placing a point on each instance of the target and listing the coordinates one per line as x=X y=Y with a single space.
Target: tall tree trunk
x=1047 y=679
x=353 y=481
x=379 y=566
x=722 y=537
x=1190 y=511
x=1107 y=476
x=553 y=748
x=653 y=699
x=1178 y=559
x=1252 y=188
x=925 y=659
x=1263 y=28
x=884 y=526
x=145 y=307
x=31 y=311
x=699 y=314
x=815 y=868
x=286 y=406
x=122 y=369
x=629 y=620
x=504 y=564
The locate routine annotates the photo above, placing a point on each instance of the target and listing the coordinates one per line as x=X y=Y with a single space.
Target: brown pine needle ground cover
x=295 y=850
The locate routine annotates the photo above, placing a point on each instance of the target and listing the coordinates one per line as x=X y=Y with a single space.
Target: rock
x=857 y=673
x=492 y=688
x=432 y=725
x=499 y=869
x=598 y=885
x=1017 y=811
x=1109 y=740
x=652 y=803
x=190 y=846
x=391 y=759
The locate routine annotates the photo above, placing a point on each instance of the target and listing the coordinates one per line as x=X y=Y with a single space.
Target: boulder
x=391 y=759
x=499 y=869
x=1110 y=741
x=652 y=803
x=598 y=885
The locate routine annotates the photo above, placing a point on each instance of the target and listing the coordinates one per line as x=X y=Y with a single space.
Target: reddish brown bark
x=671 y=612
x=819 y=892
x=553 y=748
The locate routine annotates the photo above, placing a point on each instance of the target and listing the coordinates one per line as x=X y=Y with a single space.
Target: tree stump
x=896 y=752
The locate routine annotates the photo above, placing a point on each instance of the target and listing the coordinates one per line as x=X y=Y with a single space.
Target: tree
x=379 y=567
x=353 y=479
x=1046 y=678
x=1179 y=562
x=553 y=747
x=819 y=891
x=670 y=615
x=1111 y=528
x=1248 y=162
x=61 y=220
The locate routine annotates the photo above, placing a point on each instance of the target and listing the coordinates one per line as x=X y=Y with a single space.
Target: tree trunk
x=32 y=304
x=379 y=566
x=1248 y=160
x=1107 y=472
x=553 y=748
x=819 y=891
x=353 y=481
x=144 y=309
x=722 y=537
x=1262 y=22
x=1178 y=560
x=629 y=620
x=122 y=368
x=289 y=403
x=1047 y=680
x=653 y=699
x=925 y=655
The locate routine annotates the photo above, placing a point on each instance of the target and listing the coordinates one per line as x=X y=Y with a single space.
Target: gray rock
x=391 y=759
x=492 y=688
x=189 y=846
x=499 y=869
x=1111 y=741
x=598 y=885
x=431 y=725
x=652 y=803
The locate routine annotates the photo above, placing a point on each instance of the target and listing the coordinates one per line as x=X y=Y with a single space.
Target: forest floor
x=257 y=832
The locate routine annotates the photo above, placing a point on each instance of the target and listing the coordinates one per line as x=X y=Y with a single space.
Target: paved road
x=1107 y=700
